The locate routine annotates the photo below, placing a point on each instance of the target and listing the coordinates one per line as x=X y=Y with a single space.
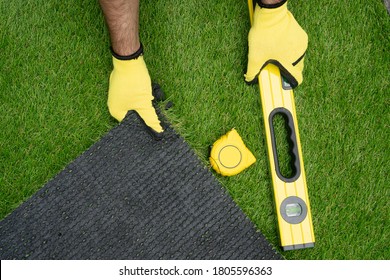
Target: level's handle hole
x=284 y=144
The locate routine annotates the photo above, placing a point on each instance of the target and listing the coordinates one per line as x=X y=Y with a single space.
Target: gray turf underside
x=132 y=197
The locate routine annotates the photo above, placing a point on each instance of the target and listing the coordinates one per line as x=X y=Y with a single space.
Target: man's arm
x=122 y=17
x=130 y=85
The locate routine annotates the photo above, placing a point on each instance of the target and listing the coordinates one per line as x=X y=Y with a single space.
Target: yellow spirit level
x=290 y=192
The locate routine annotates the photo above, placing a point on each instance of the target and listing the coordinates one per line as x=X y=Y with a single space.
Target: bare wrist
x=271 y=2
x=125 y=48
x=133 y=55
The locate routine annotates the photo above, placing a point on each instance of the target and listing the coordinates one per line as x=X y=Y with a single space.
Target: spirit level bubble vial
x=290 y=192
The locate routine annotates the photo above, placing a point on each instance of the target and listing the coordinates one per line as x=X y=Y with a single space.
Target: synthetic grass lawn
x=54 y=67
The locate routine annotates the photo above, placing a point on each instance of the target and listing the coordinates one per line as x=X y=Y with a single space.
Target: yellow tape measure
x=229 y=155
x=290 y=192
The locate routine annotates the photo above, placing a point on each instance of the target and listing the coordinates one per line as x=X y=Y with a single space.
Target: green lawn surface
x=54 y=68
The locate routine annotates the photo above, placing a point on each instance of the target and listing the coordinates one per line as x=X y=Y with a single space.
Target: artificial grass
x=54 y=65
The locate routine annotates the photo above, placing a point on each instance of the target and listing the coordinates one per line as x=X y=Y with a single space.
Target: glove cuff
x=135 y=55
x=271 y=6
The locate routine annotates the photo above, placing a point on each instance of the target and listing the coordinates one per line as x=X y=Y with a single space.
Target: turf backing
x=130 y=196
x=54 y=65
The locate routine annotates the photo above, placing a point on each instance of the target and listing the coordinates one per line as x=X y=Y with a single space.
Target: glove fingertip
x=118 y=115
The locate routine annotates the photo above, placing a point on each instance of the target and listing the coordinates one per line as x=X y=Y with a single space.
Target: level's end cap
x=298 y=246
x=229 y=155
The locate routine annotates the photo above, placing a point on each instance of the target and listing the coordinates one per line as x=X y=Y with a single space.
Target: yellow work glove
x=276 y=37
x=131 y=89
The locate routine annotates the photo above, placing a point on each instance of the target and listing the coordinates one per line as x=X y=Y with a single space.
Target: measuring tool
x=290 y=192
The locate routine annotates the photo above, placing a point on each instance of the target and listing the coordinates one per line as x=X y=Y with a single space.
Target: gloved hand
x=131 y=89
x=276 y=37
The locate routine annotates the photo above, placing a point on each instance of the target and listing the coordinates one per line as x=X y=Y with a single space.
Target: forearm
x=122 y=17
